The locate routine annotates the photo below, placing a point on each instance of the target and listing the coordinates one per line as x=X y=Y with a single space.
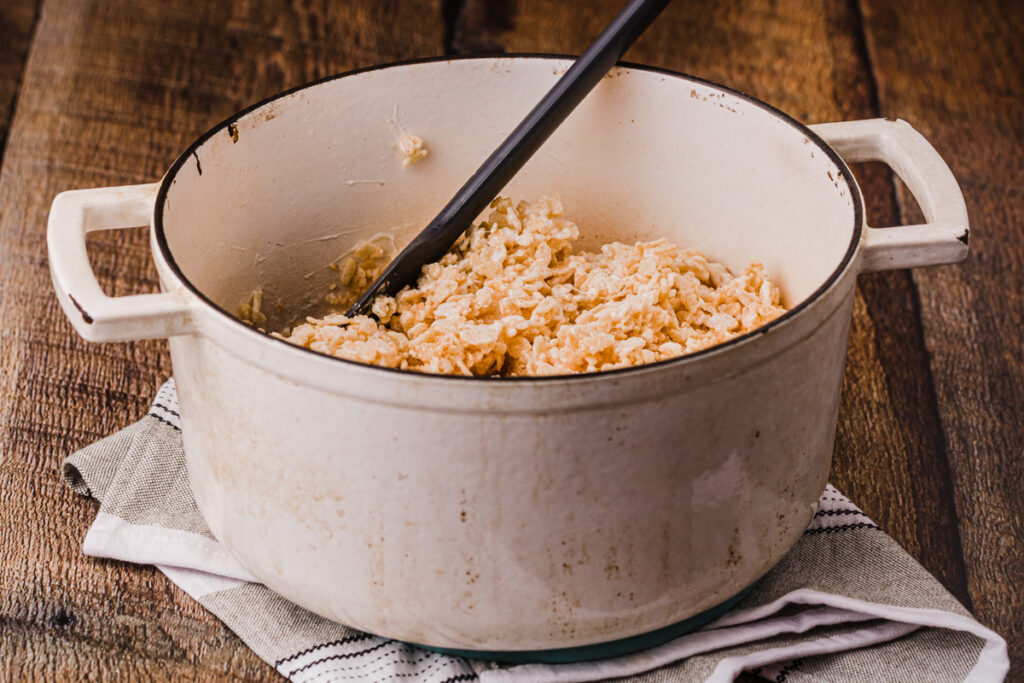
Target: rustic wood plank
x=808 y=60
x=16 y=23
x=112 y=92
x=971 y=107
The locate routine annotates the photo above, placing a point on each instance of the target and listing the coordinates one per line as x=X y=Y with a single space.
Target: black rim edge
x=167 y=181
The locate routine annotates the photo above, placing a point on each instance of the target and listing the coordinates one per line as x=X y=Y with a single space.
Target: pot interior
x=269 y=200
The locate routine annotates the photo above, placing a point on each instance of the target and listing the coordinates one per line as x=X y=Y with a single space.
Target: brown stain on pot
x=734 y=556
x=269 y=112
x=85 y=316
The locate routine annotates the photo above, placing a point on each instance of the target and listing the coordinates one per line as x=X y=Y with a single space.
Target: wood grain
x=931 y=432
x=16 y=23
x=971 y=108
x=807 y=59
x=112 y=92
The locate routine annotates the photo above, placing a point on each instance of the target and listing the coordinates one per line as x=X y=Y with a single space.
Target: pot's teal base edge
x=613 y=648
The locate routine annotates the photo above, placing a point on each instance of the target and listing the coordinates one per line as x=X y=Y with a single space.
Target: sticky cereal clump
x=411 y=148
x=513 y=298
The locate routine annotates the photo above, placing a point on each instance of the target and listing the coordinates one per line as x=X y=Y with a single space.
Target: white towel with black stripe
x=847 y=603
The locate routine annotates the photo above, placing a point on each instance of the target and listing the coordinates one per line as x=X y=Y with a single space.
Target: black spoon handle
x=442 y=232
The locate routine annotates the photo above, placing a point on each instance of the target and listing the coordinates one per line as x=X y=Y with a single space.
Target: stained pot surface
x=664 y=489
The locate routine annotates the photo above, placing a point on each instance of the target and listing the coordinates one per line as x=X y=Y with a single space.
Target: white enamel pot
x=505 y=514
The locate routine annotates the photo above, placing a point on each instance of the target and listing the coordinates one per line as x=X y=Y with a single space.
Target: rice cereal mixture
x=512 y=298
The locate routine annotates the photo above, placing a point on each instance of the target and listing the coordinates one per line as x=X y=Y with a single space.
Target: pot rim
x=858 y=207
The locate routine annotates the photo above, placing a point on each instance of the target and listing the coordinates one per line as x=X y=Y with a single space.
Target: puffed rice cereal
x=513 y=298
x=411 y=148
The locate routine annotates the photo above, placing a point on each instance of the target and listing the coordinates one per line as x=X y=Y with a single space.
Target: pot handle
x=94 y=315
x=943 y=239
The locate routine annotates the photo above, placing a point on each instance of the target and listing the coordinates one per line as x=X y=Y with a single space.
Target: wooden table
x=107 y=92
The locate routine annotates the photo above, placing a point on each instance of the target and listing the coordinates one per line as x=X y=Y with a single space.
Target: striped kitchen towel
x=846 y=604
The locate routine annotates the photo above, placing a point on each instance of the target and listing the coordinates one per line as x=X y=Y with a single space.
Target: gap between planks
x=19 y=58
x=964 y=592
